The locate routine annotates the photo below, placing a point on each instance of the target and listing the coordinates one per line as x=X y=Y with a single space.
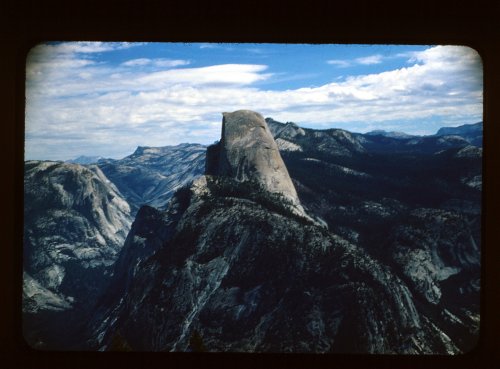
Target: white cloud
x=82 y=47
x=224 y=74
x=137 y=62
x=71 y=75
x=162 y=63
x=209 y=46
x=340 y=63
x=169 y=63
x=443 y=55
x=75 y=103
x=220 y=46
x=369 y=60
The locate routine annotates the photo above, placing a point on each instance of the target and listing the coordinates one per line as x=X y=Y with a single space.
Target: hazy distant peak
x=460 y=130
x=392 y=134
x=83 y=159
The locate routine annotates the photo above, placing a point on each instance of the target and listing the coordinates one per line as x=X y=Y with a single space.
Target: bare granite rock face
x=151 y=175
x=247 y=151
x=75 y=218
x=75 y=224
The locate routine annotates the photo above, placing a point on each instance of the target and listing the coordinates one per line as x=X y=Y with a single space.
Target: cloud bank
x=79 y=104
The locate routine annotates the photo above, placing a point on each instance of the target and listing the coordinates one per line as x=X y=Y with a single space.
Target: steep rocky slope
x=337 y=142
x=244 y=278
x=75 y=223
x=417 y=211
x=230 y=266
x=247 y=152
x=151 y=175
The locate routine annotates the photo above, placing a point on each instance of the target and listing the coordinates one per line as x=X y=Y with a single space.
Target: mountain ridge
x=223 y=260
x=150 y=175
x=237 y=270
x=277 y=127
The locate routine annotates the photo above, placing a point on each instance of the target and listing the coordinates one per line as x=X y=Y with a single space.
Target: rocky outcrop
x=75 y=223
x=248 y=152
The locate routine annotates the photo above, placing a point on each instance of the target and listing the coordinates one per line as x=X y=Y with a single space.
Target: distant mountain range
x=277 y=238
x=392 y=134
x=472 y=133
x=466 y=129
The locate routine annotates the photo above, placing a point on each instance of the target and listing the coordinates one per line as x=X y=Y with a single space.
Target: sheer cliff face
x=247 y=152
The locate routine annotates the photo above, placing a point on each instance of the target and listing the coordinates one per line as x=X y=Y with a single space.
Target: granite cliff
x=247 y=152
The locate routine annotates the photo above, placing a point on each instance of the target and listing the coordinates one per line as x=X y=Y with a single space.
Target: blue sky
x=93 y=98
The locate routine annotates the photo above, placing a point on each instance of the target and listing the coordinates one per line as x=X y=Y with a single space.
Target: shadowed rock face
x=247 y=152
x=75 y=223
x=242 y=275
x=151 y=175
